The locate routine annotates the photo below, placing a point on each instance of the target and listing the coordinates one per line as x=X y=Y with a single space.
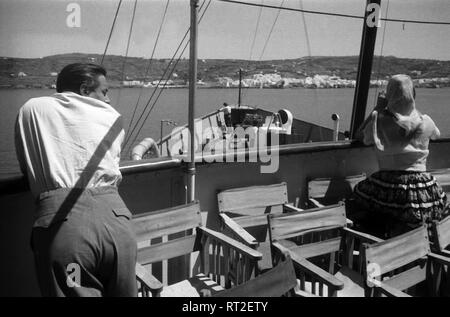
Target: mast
x=192 y=91
x=369 y=35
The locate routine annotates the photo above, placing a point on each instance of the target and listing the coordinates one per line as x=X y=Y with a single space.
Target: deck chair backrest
x=294 y=224
x=315 y=233
x=395 y=254
x=329 y=191
x=248 y=206
x=442 y=233
x=252 y=200
x=273 y=283
x=163 y=223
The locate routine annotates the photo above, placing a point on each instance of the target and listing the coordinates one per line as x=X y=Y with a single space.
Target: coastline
x=309 y=72
x=428 y=86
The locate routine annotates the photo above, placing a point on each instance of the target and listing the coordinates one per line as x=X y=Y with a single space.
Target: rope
x=268 y=37
x=154 y=103
x=308 y=47
x=111 y=32
x=256 y=31
x=308 y=43
x=252 y=46
x=165 y=83
x=128 y=46
x=381 y=54
x=159 y=81
x=149 y=63
x=271 y=30
x=416 y=21
x=334 y=14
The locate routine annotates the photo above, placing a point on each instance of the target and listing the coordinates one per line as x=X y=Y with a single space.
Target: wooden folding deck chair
x=441 y=237
x=395 y=266
x=441 y=229
x=243 y=212
x=176 y=234
x=440 y=244
x=276 y=282
x=330 y=191
x=322 y=249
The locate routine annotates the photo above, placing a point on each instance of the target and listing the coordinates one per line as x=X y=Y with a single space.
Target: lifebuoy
x=146 y=145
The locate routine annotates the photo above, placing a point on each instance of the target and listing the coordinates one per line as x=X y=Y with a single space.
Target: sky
x=38 y=28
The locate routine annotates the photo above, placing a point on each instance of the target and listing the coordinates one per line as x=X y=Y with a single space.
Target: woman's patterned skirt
x=400 y=200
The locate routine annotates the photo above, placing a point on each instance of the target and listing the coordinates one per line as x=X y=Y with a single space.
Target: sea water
x=312 y=105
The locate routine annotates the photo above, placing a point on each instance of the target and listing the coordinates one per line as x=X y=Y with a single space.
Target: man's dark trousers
x=84 y=244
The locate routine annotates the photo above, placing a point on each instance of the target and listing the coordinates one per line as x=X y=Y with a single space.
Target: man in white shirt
x=68 y=145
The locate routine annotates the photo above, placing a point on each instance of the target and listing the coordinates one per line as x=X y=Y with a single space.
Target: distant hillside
x=40 y=72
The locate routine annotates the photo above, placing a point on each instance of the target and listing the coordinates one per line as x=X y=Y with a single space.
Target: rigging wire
x=158 y=84
x=256 y=31
x=271 y=30
x=111 y=32
x=253 y=44
x=270 y=34
x=165 y=83
x=381 y=54
x=159 y=81
x=308 y=47
x=333 y=14
x=308 y=43
x=154 y=103
x=149 y=63
x=128 y=46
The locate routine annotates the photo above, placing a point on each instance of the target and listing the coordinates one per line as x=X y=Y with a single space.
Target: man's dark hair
x=74 y=75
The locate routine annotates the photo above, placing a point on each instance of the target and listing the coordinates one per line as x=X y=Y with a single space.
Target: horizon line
x=235 y=59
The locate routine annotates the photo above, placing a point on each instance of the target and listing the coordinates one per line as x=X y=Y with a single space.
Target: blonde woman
x=401 y=195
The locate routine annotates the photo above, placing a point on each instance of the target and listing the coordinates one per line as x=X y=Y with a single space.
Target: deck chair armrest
x=389 y=291
x=444 y=253
x=300 y=293
x=310 y=268
x=148 y=279
x=289 y=208
x=349 y=222
x=314 y=203
x=363 y=236
x=441 y=259
x=238 y=232
x=234 y=244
